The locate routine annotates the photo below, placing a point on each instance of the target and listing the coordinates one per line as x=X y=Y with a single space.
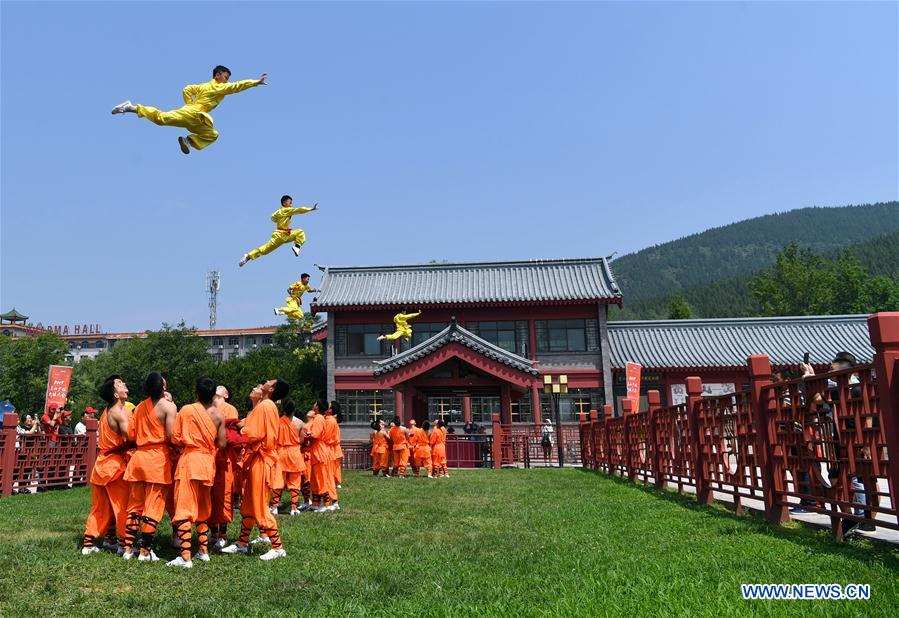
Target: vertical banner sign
x=632 y=371
x=57 y=386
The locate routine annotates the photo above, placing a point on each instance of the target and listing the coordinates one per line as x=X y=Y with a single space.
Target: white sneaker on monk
x=185 y=145
x=273 y=510
x=235 y=548
x=87 y=551
x=295 y=511
x=201 y=556
x=260 y=539
x=122 y=107
x=127 y=555
x=296 y=250
x=335 y=507
x=151 y=557
x=276 y=311
x=180 y=562
x=244 y=259
x=338 y=486
x=272 y=554
x=220 y=544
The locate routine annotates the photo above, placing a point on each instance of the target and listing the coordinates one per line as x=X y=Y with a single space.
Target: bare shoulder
x=216 y=415
x=167 y=406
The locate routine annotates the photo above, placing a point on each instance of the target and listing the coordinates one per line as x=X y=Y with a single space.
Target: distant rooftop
x=535 y=282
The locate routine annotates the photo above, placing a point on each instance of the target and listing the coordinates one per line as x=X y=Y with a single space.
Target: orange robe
x=149 y=470
x=437 y=441
x=290 y=458
x=332 y=439
x=260 y=471
x=420 y=449
x=338 y=456
x=400 y=451
x=196 y=432
x=109 y=490
x=379 y=453
x=321 y=456
x=223 y=487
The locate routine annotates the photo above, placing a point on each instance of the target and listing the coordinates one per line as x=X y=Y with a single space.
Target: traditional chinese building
x=490 y=332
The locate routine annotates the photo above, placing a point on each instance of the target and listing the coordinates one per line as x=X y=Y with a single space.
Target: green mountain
x=712 y=269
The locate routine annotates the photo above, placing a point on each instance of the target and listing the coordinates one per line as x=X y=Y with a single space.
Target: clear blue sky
x=458 y=131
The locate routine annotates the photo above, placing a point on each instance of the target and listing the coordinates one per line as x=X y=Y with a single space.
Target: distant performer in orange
x=437 y=440
x=399 y=447
x=379 y=455
x=290 y=457
x=338 y=452
x=225 y=464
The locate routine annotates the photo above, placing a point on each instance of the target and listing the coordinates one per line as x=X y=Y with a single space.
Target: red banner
x=57 y=386
x=632 y=371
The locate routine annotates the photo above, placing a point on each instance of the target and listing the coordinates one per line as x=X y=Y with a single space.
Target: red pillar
x=608 y=412
x=397 y=405
x=8 y=452
x=694 y=400
x=883 y=329
x=408 y=404
x=497 y=442
x=626 y=411
x=765 y=437
x=535 y=403
x=654 y=399
x=594 y=429
x=466 y=408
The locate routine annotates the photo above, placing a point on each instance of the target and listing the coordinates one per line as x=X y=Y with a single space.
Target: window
x=360 y=406
x=251 y=340
x=567 y=335
x=447 y=408
x=266 y=341
x=523 y=410
x=217 y=356
x=362 y=340
x=233 y=341
x=71 y=345
x=85 y=344
x=98 y=345
x=423 y=332
x=509 y=335
x=571 y=404
x=483 y=409
x=216 y=341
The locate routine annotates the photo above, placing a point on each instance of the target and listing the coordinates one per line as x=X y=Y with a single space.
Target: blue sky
x=457 y=131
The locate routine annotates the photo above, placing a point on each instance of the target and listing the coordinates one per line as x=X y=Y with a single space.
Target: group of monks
x=426 y=449
x=194 y=462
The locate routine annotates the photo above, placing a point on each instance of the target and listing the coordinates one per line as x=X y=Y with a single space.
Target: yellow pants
x=400 y=332
x=278 y=238
x=187 y=117
x=292 y=308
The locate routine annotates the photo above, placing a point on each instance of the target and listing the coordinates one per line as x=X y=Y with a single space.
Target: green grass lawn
x=531 y=542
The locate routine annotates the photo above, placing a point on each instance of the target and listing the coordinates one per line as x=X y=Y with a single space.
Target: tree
x=24 y=366
x=679 y=308
x=797 y=284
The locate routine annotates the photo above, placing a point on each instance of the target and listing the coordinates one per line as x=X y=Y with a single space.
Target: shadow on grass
x=860 y=548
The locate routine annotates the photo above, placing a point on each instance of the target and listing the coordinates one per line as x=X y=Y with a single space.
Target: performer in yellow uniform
x=292 y=307
x=403 y=328
x=282 y=234
x=199 y=100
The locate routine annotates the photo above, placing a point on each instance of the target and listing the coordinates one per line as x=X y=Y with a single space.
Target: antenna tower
x=213 y=285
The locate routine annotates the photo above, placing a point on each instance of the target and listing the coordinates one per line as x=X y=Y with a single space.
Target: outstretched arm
x=235 y=87
x=409 y=316
x=301 y=210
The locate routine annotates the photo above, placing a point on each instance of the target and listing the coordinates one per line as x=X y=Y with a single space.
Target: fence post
x=594 y=425
x=883 y=329
x=654 y=398
x=694 y=405
x=626 y=411
x=8 y=454
x=607 y=443
x=765 y=439
x=90 y=458
x=581 y=432
x=497 y=442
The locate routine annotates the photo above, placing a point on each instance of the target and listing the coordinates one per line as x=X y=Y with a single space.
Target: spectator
x=51 y=421
x=470 y=428
x=546 y=439
x=89 y=413
x=29 y=425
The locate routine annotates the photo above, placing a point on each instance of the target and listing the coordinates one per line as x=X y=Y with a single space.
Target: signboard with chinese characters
x=632 y=371
x=57 y=386
x=712 y=389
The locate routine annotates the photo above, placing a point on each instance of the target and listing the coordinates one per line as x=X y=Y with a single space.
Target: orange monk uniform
x=332 y=439
x=437 y=440
x=223 y=486
x=400 y=451
x=290 y=460
x=320 y=454
x=379 y=453
x=338 y=457
x=109 y=490
x=150 y=473
x=260 y=471
x=421 y=452
x=196 y=432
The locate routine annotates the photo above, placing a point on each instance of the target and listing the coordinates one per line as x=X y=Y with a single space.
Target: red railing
x=820 y=443
x=521 y=444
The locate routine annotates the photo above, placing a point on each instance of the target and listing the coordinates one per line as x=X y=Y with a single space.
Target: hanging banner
x=57 y=387
x=632 y=371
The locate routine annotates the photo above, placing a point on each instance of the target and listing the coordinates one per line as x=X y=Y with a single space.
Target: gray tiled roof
x=457 y=334
x=729 y=342
x=461 y=284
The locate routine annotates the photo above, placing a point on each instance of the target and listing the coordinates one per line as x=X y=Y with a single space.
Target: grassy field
x=509 y=542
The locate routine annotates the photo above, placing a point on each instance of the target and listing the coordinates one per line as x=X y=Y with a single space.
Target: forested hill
x=731 y=297
x=736 y=250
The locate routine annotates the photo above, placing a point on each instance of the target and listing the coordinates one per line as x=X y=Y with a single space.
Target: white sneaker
x=87 y=551
x=273 y=510
x=272 y=554
x=234 y=548
x=431 y=476
x=220 y=544
x=336 y=507
x=151 y=557
x=260 y=539
x=296 y=252
x=276 y=311
x=244 y=260
x=338 y=486
x=180 y=562
x=295 y=511
x=122 y=107
x=201 y=556
x=127 y=555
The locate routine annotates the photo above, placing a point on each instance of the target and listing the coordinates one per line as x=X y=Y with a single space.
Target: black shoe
x=866 y=526
x=849 y=527
x=185 y=145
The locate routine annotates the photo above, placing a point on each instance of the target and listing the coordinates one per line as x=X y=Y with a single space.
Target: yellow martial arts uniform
x=403 y=329
x=292 y=308
x=283 y=234
x=199 y=99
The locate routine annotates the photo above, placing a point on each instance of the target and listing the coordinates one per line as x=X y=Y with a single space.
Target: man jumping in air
x=282 y=234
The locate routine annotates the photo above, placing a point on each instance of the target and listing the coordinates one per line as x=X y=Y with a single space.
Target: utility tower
x=213 y=285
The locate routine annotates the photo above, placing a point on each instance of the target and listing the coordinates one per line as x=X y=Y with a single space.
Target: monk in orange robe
x=332 y=439
x=321 y=457
x=379 y=456
x=150 y=469
x=109 y=490
x=260 y=427
x=290 y=457
x=421 y=449
x=225 y=464
x=338 y=452
x=400 y=447
x=200 y=430
x=437 y=440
